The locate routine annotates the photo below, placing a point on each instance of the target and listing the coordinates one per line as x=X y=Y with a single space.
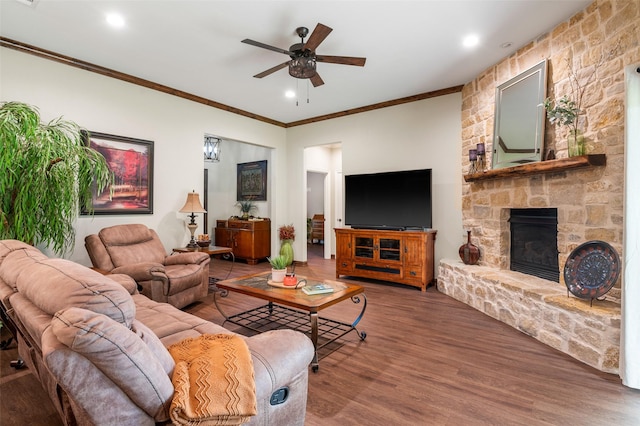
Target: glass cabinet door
x=364 y=247
x=390 y=249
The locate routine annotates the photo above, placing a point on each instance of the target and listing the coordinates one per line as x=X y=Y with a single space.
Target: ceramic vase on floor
x=286 y=250
x=469 y=253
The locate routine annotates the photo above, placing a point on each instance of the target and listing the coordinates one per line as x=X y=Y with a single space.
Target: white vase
x=277 y=275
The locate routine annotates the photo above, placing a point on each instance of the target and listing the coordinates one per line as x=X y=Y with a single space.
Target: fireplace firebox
x=534 y=242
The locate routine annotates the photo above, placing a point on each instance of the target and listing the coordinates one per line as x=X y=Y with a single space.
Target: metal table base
x=272 y=316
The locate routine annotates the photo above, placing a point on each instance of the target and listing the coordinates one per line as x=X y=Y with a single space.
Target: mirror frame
x=531 y=144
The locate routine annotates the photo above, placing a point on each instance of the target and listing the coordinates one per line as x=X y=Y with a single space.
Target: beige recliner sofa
x=98 y=347
x=135 y=250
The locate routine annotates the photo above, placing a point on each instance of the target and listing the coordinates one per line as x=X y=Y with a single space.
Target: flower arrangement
x=287 y=232
x=565 y=112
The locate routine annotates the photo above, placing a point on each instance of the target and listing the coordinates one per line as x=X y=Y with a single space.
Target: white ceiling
x=412 y=47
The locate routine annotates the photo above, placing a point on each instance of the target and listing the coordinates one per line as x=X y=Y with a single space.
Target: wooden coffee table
x=292 y=308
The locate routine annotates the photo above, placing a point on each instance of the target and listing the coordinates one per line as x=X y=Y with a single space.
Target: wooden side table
x=211 y=251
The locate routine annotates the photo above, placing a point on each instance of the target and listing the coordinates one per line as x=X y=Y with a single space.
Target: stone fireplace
x=586 y=194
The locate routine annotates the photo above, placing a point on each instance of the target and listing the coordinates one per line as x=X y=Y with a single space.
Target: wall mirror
x=518 y=135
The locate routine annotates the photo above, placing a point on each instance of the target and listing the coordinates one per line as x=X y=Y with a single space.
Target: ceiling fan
x=303 y=55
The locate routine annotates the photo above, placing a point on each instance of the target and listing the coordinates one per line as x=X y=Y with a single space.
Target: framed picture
x=252 y=181
x=131 y=161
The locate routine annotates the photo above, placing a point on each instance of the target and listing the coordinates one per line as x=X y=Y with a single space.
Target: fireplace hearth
x=534 y=242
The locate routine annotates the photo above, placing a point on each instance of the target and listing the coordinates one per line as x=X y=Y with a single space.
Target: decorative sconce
x=211 y=149
x=193 y=206
x=481 y=157
x=473 y=159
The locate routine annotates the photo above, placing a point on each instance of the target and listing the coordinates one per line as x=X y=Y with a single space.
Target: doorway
x=316 y=214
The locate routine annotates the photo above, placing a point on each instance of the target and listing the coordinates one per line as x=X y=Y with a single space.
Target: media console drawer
x=403 y=257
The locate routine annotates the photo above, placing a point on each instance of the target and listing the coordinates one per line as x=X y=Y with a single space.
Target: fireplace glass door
x=534 y=242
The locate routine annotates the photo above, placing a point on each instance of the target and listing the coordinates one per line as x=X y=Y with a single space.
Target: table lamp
x=193 y=206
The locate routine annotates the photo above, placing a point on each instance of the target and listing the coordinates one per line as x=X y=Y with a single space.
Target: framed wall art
x=131 y=161
x=252 y=181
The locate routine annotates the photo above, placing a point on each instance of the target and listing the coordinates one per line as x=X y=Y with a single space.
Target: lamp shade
x=192 y=204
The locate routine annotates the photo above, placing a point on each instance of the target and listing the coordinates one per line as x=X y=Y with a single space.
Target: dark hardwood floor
x=427 y=360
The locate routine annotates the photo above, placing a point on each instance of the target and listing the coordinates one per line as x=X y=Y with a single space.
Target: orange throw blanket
x=213 y=380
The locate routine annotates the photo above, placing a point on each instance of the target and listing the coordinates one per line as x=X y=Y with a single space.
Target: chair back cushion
x=55 y=284
x=132 y=244
x=98 y=253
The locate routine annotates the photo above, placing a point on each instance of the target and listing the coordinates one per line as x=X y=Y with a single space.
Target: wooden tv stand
x=403 y=257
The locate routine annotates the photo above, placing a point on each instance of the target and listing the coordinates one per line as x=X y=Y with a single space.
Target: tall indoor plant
x=46 y=174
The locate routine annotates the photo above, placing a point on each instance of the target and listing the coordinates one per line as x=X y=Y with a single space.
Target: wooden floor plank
x=427 y=360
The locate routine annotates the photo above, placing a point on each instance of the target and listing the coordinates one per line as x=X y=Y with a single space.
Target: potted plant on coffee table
x=46 y=174
x=278 y=268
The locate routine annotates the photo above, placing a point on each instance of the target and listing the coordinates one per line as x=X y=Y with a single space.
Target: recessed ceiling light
x=28 y=2
x=115 y=20
x=290 y=94
x=470 y=40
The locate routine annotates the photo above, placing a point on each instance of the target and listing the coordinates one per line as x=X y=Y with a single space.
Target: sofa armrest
x=282 y=355
x=125 y=281
x=143 y=271
x=186 y=258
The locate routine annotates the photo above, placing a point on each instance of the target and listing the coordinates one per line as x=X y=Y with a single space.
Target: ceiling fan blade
x=266 y=46
x=343 y=60
x=317 y=36
x=316 y=80
x=271 y=70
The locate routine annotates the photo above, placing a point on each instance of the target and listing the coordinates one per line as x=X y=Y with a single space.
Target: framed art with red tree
x=131 y=162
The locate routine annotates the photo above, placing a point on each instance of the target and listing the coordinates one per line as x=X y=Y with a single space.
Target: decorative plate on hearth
x=591 y=270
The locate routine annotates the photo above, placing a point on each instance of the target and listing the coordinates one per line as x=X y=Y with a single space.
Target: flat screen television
x=389 y=200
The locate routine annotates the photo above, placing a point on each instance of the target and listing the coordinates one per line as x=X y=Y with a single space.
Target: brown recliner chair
x=135 y=250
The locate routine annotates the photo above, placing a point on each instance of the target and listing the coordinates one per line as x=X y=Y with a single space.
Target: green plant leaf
x=46 y=174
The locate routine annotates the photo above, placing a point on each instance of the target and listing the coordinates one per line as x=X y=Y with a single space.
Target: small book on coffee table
x=317 y=289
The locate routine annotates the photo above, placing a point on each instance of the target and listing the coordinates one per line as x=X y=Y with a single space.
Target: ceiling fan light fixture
x=302 y=67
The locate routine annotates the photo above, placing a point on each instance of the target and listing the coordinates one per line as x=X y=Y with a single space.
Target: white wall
x=630 y=325
x=176 y=126
x=417 y=135
x=423 y=134
x=223 y=180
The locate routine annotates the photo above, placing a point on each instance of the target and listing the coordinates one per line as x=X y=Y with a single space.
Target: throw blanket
x=213 y=380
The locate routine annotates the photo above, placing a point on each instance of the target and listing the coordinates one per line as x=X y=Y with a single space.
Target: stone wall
x=599 y=41
x=589 y=201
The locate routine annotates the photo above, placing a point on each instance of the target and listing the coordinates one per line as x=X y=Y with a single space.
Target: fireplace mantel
x=591 y=160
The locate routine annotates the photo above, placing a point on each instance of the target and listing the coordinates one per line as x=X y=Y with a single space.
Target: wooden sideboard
x=249 y=239
x=403 y=257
